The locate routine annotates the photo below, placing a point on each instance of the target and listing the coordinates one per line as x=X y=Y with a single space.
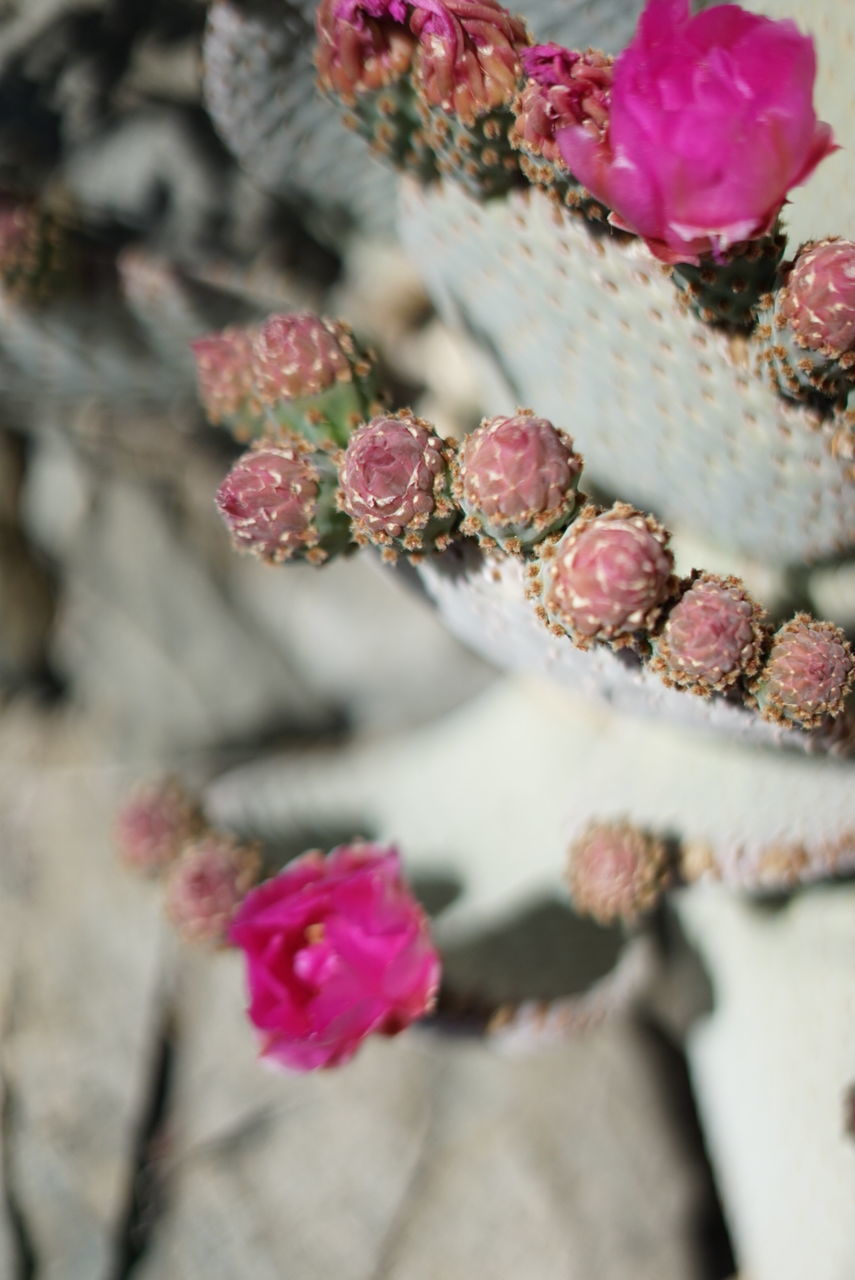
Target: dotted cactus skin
x=713 y=636
x=206 y=886
x=616 y=872
x=395 y=483
x=516 y=478
x=808 y=673
x=608 y=576
x=278 y=503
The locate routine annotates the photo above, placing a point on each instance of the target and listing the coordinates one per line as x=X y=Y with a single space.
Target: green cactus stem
x=729 y=292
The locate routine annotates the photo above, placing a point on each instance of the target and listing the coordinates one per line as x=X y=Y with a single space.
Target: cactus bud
x=562 y=88
x=711 y=637
x=807 y=675
x=311 y=377
x=608 y=576
x=813 y=325
x=466 y=71
x=226 y=387
x=363 y=57
x=616 y=872
x=468 y=60
x=278 y=502
x=516 y=479
x=394 y=484
x=207 y=884
x=154 y=824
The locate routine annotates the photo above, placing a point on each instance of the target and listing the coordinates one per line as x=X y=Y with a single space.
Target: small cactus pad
x=807 y=675
x=811 y=332
x=207 y=884
x=226 y=386
x=608 y=576
x=515 y=479
x=278 y=502
x=395 y=485
x=616 y=872
x=311 y=377
x=154 y=824
x=711 y=638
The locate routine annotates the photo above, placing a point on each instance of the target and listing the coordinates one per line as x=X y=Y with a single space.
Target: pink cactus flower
x=818 y=300
x=711 y=123
x=224 y=372
x=609 y=575
x=336 y=949
x=564 y=88
x=154 y=824
x=393 y=476
x=207 y=884
x=616 y=872
x=269 y=501
x=809 y=672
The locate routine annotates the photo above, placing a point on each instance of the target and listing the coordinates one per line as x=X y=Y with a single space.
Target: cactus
x=704 y=378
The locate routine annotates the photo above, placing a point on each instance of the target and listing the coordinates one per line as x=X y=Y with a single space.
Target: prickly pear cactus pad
x=670 y=412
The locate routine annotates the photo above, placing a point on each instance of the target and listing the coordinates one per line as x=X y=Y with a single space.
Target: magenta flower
x=711 y=123
x=336 y=949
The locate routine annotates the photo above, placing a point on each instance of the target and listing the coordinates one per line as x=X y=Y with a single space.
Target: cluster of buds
x=294 y=373
x=427 y=83
x=161 y=831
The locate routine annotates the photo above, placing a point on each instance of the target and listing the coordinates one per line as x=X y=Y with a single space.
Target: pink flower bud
x=712 y=636
x=394 y=479
x=224 y=372
x=608 y=575
x=206 y=886
x=563 y=88
x=468 y=60
x=269 y=501
x=154 y=824
x=818 y=300
x=336 y=949
x=711 y=123
x=616 y=872
x=808 y=673
x=363 y=45
x=300 y=355
x=516 y=479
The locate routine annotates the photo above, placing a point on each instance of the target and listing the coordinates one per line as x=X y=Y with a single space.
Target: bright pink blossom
x=711 y=123
x=336 y=948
